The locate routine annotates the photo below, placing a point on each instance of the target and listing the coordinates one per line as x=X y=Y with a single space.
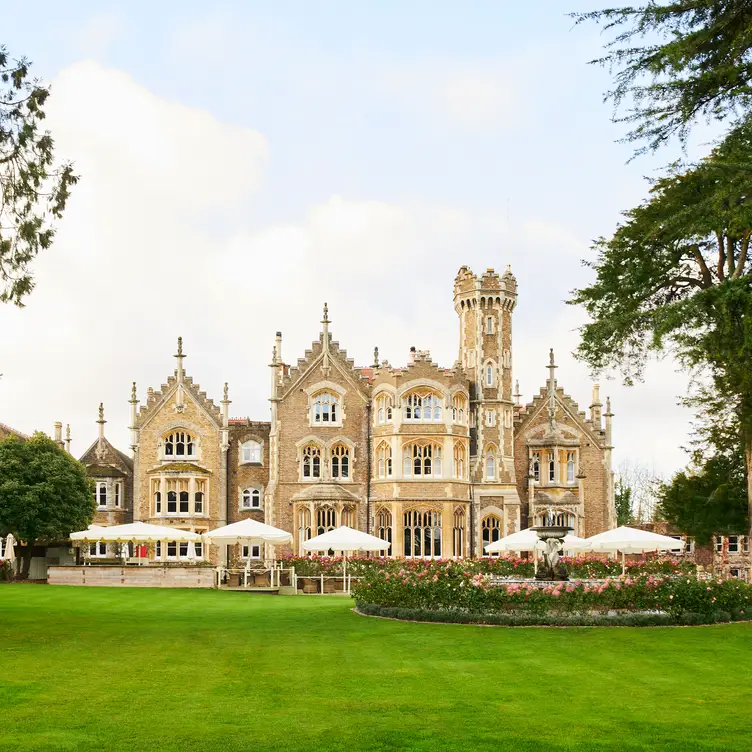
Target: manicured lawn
x=118 y=669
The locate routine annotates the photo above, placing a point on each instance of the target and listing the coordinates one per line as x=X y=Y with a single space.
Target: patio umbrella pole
x=623 y=564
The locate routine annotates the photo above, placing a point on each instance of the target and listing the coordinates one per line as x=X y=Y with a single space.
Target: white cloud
x=473 y=96
x=157 y=242
x=97 y=34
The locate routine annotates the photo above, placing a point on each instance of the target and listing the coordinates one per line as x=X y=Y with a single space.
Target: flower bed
x=580 y=567
x=451 y=587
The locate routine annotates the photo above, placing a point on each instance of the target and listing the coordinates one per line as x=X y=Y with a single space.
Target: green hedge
x=551 y=620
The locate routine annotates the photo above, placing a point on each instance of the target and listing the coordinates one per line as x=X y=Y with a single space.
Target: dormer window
x=325 y=409
x=179 y=444
x=251 y=452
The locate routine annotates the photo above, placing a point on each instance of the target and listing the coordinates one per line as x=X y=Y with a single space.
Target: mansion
x=438 y=461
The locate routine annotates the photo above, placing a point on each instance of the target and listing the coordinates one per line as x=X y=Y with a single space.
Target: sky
x=242 y=163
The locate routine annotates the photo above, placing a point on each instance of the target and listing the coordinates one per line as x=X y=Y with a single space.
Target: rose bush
x=454 y=586
x=586 y=567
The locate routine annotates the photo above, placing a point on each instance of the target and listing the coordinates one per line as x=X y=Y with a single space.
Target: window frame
x=175 y=438
x=254 y=447
x=419 y=395
x=253 y=493
x=423 y=454
x=333 y=405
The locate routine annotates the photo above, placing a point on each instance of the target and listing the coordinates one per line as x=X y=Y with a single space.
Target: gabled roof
x=336 y=359
x=158 y=397
x=525 y=416
x=106 y=456
x=6 y=429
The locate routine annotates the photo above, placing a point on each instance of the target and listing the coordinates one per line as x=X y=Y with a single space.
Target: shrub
x=451 y=586
x=521 y=619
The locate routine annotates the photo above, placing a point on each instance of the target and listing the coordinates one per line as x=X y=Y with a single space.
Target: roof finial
x=133 y=393
x=180 y=348
x=180 y=372
x=67 y=438
x=101 y=413
x=551 y=392
x=226 y=391
x=375 y=357
x=517 y=394
x=325 y=320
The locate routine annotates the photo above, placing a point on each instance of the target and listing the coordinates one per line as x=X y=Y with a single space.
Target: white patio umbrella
x=346 y=539
x=630 y=540
x=248 y=530
x=10 y=550
x=528 y=540
x=138 y=532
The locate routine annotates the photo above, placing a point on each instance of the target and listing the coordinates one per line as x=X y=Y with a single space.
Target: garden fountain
x=553 y=536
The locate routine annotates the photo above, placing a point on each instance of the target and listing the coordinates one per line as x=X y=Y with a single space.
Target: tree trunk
x=748 y=463
x=26 y=561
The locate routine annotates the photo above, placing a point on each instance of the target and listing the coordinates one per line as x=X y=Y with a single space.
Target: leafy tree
x=623 y=499
x=45 y=493
x=32 y=188
x=677 y=276
x=711 y=500
x=677 y=62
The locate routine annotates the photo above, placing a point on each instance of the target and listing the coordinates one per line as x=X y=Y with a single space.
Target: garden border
x=635 y=619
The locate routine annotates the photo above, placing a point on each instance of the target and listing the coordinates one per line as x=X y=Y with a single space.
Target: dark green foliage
x=552 y=620
x=677 y=276
x=33 y=189
x=623 y=500
x=711 y=500
x=45 y=494
x=676 y=62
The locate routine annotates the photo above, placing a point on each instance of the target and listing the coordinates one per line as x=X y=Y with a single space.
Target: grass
x=115 y=669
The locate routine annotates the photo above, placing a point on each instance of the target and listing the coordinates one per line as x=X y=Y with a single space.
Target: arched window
x=489 y=374
x=184 y=498
x=384 y=460
x=101 y=494
x=179 y=444
x=489 y=325
x=551 y=467
x=198 y=497
x=491 y=464
x=384 y=408
x=348 y=517
x=384 y=526
x=157 y=502
x=570 y=467
x=536 y=466
x=304 y=527
x=422 y=460
x=326 y=519
x=491 y=530
x=311 y=461
x=251 y=451
x=251 y=498
x=325 y=408
x=458 y=534
x=459 y=408
x=422 y=534
x=459 y=460
x=423 y=406
x=340 y=456
x=118 y=487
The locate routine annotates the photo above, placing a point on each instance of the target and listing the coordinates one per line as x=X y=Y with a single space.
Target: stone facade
x=436 y=460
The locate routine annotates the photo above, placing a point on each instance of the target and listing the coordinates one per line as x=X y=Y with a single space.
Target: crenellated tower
x=484 y=305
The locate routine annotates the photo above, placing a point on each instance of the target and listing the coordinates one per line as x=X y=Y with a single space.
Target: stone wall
x=150 y=576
